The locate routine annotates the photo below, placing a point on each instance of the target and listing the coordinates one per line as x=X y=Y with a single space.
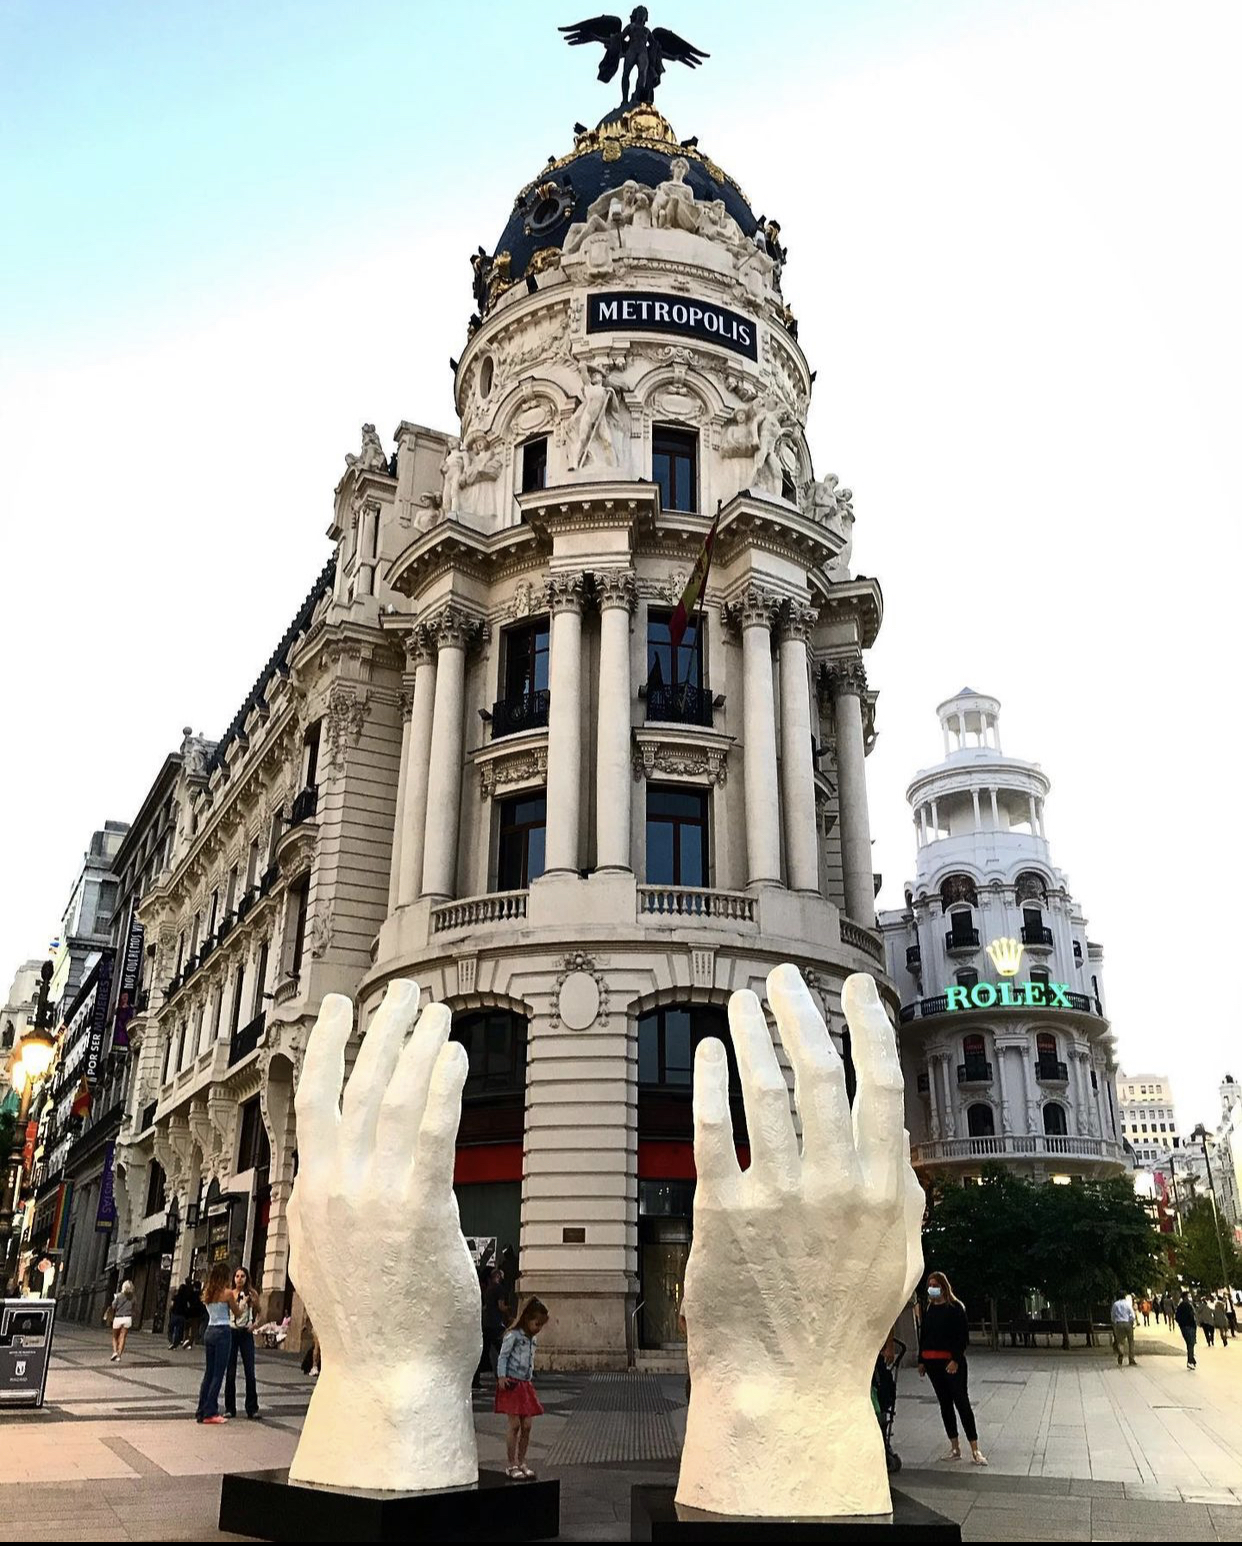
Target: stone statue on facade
x=638 y=49
x=606 y=218
x=780 y=1421
x=452 y=468
x=371 y=458
x=833 y=507
x=596 y=426
x=757 y=429
x=196 y=753
x=477 y=482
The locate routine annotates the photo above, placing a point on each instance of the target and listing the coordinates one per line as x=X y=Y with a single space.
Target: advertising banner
x=99 y=1018
x=131 y=981
x=105 y=1214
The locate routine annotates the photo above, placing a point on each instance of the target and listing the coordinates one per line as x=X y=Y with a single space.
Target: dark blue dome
x=635 y=145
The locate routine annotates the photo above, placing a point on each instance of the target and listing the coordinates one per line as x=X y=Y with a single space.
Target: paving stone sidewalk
x=1152 y=1453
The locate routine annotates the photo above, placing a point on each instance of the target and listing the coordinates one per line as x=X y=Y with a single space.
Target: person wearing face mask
x=943 y=1338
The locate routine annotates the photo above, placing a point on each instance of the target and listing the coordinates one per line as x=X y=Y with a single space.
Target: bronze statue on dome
x=637 y=48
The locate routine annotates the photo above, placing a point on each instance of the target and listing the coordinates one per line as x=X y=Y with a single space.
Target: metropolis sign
x=644 y=312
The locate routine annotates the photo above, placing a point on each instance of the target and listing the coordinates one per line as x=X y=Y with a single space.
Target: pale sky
x=237 y=230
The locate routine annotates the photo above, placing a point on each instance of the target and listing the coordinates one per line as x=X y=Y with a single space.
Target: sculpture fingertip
x=710 y=1050
x=860 y=992
x=786 y=978
x=402 y=993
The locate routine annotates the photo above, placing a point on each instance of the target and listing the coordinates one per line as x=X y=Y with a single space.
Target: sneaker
x=255 y=1417
x=116 y=1358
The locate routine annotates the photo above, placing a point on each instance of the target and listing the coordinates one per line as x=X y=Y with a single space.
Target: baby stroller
x=884 y=1400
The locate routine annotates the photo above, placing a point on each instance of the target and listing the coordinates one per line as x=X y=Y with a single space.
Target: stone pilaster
x=754 y=613
x=415 y=766
x=848 y=682
x=564 y=595
x=797 y=768
x=617 y=595
x=451 y=630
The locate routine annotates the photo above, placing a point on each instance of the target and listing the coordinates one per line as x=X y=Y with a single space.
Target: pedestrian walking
x=179 y=1315
x=1220 y=1321
x=515 y=1390
x=943 y=1339
x=241 y=1325
x=1170 y=1311
x=496 y=1315
x=196 y=1315
x=122 y=1315
x=1208 y=1327
x=1185 y=1317
x=1231 y=1315
x=1121 y=1314
x=1145 y=1311
x=221 y=1300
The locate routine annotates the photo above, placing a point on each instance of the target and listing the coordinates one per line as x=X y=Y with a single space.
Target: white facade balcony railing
x=473 y=911
x=695 y=902
x=1027 y=1146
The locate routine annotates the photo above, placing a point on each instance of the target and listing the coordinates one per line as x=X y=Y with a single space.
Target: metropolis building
x=1005 y=1039
x=481 y=758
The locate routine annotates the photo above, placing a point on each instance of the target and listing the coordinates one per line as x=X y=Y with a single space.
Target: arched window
x=958 y=888
x=980 y=1121
x=667 y=1038
x=973 y=1047
x=1031 y=886
x=1055 y=1124
x=1046 y=1045
x=495 y=1043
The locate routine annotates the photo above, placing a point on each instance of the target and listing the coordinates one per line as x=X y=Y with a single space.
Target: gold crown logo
x=1006 y=956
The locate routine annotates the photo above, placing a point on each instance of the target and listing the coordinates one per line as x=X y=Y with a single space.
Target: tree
x=978 y=1235
x=1199 y=1251
x=1091 y=1240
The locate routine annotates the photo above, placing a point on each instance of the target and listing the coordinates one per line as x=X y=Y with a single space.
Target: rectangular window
x=674 y=466
x=675 y=688
x=299 y=899
x=253 y=1148
x=252 y=866
x=535 y=464
x=260 y=981
x=676 y=836
x=156 y=1199
x=1038 y=974
x=235 y=1021
x=523 y=828
x=213 y=915
x=524 y=678
x=230 y=895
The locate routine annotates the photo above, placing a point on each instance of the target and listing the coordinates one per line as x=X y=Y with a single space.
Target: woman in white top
x=242 y=1318
x=122 y=1308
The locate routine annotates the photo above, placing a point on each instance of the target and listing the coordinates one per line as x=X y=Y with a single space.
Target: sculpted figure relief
x=597 y=427
x=800 y=1264
x=608 y=215
x=832 y=505
x=400 y=1340
x=757 y=429
x=371 y=458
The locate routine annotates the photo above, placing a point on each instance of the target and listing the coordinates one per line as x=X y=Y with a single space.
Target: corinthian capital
x=755 y=607
x=616 y=588
x=420 y=647
x=846 y=677
x=564 y=592
x=452 y=627
x=798 y=621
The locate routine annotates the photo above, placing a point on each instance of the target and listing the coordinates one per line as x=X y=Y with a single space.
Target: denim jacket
x=517 y=1356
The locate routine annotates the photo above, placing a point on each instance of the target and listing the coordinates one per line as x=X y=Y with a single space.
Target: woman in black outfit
x=943 y=1338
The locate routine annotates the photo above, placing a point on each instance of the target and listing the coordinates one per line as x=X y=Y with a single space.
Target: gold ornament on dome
x=546 y=257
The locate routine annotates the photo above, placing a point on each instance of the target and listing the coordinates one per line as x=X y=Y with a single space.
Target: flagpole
x=698 y=626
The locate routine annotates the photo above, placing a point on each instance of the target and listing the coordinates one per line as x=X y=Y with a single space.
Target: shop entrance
x=665 y=1212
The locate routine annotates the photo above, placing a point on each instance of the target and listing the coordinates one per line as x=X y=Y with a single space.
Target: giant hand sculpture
x=800 y=1264
x=376 y=1251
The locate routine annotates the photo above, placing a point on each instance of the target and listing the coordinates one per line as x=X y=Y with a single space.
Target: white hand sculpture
x=377 y=1254
x=800 y=1264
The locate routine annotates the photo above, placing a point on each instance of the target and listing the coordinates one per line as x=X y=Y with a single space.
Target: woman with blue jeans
x=220 y=1300
x=242 y=1321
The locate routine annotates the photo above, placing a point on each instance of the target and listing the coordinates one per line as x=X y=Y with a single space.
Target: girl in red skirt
x=515 y=1394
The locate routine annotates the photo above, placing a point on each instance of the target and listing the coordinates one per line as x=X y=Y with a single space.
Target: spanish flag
x=82 y=1100
x=695 y=586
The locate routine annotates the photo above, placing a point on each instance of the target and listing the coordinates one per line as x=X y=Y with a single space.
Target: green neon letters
x=1011 y=995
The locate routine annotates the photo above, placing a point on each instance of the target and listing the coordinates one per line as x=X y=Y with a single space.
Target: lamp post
x=1200 y=1135
x=32 y=1057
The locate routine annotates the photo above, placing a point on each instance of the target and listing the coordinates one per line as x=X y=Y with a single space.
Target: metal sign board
x=25 y=1350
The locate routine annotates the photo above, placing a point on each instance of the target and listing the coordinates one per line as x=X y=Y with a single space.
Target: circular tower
x=1008 y=1051
x=632 y=770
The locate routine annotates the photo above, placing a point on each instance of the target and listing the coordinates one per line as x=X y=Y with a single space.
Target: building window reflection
x=523 y=830
x=676 y=836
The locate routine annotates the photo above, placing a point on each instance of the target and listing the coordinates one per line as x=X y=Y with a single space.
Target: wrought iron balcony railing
x=680 y=704
x=525 y=711
x=304 y=805
x=1051 y=1071
x=974 y=1071
x=962 y=939
x=247 y=1039
x=1037 y=934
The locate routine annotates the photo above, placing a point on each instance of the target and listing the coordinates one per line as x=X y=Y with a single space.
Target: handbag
x=109 y=1312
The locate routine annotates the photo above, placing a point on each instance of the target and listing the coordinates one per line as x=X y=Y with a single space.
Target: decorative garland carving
x=346 y=716
x=655 y=760
x=526 y=766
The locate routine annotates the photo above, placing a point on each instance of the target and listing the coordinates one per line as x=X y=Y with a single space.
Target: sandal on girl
x=954 y=1454
x=978 y=1459
x=527 y=1474
x=514 y=1473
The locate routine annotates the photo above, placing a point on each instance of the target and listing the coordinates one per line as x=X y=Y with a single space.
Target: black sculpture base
x=268 y=1506
x=654 y=1517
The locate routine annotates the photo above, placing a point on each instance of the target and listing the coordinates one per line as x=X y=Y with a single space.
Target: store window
x=676 y=836
x=674 y=466
x=523 y=830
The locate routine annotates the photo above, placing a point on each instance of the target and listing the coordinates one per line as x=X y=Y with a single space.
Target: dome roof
x=633 y=144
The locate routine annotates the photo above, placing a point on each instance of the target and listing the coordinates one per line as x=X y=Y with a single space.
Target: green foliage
x=1199 y=1250
x=1078 y=1244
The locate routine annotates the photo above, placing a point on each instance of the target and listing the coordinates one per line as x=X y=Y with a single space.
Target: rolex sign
x=640 y=311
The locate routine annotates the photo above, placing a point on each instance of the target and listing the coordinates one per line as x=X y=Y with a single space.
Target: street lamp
x=31 y=1060
x=1200 y=1136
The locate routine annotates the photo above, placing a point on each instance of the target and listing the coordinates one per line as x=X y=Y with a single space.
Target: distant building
x=86 y=926
x=1007 y=1046
x=1148 y=1123
x=18 y=1013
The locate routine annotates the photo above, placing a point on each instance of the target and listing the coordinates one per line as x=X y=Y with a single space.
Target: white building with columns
x=1005 y=1038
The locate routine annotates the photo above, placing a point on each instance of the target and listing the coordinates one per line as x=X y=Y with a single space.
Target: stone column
x=974 y=797
x=995 y=811
x=933 y=1099
x=949 y=1124
x=451 y=630
x=1002 y=1088
x=564 y=598
x=1030 y=801
x=849 y=682
x=616 y=590
x=407 y=855
x=935 y=818
x=398 y=826
x=797 y=768
x=763 y=841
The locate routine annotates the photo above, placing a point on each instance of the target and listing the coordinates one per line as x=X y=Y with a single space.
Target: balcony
x=243 y=1043
x=147 y=1119
x=269 y=878
x=926 y=1008
x=862 y=939
x=961 y=941
x=478 y=911
x=695 y=902
x=525 y=711
x=682 y=704
x=974 y=1071
x=225 y=929
x=244 y=906
x=142 y=1001
x=1037 y=935
x=914 y=958
x=209 y=944
x=1050 y=1071
x=304 y=805
x=1035 y=1146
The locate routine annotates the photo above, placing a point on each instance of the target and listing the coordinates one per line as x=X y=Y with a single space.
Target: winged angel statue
x=638 y=48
